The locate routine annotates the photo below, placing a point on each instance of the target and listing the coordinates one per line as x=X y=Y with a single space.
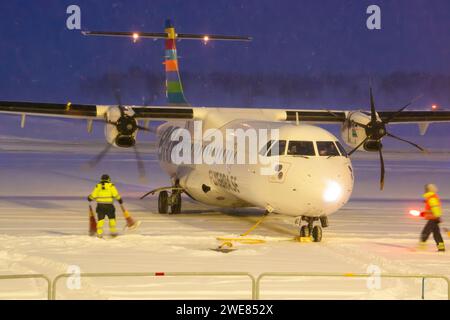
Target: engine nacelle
x=353 y=134
x=120 y=130
x=373 y=146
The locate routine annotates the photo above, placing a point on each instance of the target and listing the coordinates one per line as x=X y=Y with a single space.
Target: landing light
x=135 y=37
x=205 y=39
x=332 y=192
x=434 y=107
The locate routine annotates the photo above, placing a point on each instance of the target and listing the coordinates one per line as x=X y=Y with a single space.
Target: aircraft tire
x=305 y=232
x=163 y=202
x=176 y=206
x=317 y=234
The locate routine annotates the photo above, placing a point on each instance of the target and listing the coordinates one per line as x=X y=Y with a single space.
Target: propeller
x=140 y=164
x=126 y=126
x=93 y=162
x=376 y=131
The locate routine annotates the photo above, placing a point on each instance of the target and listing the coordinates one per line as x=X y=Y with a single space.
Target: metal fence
x=30 y=276
x=157 y=274
x=351 y=275
x=255 y=283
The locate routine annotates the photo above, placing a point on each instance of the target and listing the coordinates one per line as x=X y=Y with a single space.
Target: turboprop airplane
x=302 y=170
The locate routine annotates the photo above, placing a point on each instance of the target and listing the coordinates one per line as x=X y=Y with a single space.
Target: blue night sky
x=305 y=53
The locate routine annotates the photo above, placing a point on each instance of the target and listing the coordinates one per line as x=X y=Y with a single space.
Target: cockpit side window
x=301 y=148
x=341 y=149
x=264 y=149
x=278 y=148
x=327 y=148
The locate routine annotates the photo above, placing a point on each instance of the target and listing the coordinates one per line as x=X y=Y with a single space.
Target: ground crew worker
x=432 y=213
x=105 y=193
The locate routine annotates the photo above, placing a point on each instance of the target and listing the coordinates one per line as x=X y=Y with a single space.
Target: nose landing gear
x=313 y=231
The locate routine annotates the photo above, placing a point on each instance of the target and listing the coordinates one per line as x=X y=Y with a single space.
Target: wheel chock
x=303 y=239
x=242 y=240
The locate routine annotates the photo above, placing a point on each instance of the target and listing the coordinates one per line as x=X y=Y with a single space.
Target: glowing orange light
x=135 y=37
x=434 y=107
x=414 y=213
x=205 y=39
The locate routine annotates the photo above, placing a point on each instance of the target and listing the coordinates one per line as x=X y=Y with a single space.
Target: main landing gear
x=166 y=199
x=311 y=230
x=172 y=200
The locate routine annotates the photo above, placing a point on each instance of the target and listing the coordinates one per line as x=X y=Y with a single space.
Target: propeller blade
x=333 y=114
x=144 y=128
x=382 y=169
x=392 y=117
x=111 y=122
x=92 y=163
x=357 y=147
x=409 y=142
x=140 y=164
x=118 y=98
x=373 y=113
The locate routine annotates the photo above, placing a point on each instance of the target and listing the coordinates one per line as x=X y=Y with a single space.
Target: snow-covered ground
x=43 y=226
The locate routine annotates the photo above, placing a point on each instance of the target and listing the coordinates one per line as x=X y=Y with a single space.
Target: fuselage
x=309 y=174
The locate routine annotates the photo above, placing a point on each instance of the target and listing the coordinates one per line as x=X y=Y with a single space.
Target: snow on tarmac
x=43 y=225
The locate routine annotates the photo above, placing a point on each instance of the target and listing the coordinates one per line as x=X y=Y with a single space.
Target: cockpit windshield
x=301 y=148
x=327 y=149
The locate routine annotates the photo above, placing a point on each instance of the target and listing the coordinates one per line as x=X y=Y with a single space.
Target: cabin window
x=341 y=149
x=301 y=148
x=278 y=148
x=327 y=148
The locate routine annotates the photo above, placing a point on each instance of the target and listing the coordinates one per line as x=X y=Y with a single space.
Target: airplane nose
x=319 y=188
x=332 y=192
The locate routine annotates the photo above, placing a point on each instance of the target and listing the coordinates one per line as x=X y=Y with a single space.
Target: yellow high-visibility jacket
x=433 y=208
x=105 y=192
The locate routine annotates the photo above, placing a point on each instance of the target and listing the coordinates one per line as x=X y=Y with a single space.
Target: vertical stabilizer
x=174 y=88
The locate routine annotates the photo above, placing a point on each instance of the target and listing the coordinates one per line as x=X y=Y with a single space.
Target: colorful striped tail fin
x=174 y=87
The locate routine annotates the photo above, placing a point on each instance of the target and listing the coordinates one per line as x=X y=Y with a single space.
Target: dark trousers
x=432 y=226
x=106 y=209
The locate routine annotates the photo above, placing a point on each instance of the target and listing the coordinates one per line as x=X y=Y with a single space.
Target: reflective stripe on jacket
x=104 y=192
x=433 y=209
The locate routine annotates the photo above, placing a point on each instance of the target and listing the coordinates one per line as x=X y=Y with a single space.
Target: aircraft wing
x=339 y=116
x=49 y=109
x=92 y=112
x=416 y=116
x=316 y=116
